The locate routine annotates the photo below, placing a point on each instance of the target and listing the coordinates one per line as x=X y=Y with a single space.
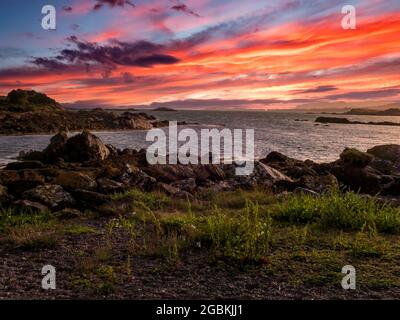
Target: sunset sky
x=202 y=53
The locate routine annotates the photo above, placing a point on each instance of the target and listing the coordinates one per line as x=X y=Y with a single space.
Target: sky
x=202 y=54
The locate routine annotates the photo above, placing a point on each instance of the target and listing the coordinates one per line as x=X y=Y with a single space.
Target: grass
x=28 y=230
x=343 y=211
x=303 y=239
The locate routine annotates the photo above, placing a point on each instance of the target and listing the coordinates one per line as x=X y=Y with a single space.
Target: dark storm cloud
x=112 y=3
x=116 y=53
x=48 y=63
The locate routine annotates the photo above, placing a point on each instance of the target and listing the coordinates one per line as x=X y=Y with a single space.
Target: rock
x=26 y=179
x=84 y=147
x=30 y=205
x=318 y=183
x=135 y=177
x=24 y=165
x=389 y=152
x=263 y=175
x=113 y=150
x=364 y=180
x=56 y=148
x=89 y=197
x=385 y=166
x=393 y=187
x=172 y=172
x=293 y=168
x=5 y=197
x=71 y=180
x=53 y=196
x=68 y=213
x=186 y=185
x=354 y=157
x=167 y=188
x=106 y=185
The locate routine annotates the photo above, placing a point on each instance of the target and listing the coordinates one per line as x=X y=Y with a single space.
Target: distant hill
x=27 y=101
x=163 y=109
x=370 y=112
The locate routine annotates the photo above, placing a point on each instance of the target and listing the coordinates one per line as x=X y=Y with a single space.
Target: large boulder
x=71 y=180
x=389 y=152
x=356 y=158
x=365 y=180
x=56 y=148
x=53 y=196
x=84 y=147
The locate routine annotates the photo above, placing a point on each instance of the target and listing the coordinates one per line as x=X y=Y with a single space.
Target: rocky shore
x=45 y=122
x=347 y=121
x=81 y=172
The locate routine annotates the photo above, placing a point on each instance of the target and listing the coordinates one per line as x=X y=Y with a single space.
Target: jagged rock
x=71 y=180
x=262 y=175
x=293 y=168
x=85 y=146
x=30 y=205
x=356 y=158
x=135 y=177
x=21 y=165
x=389 y=152
x=53 y=196
x=106 y=185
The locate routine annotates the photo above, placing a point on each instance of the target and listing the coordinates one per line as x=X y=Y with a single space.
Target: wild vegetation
x=301 y=241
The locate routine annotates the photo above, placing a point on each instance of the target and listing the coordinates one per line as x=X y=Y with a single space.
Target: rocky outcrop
x=81 y=173
x=85 y=146
x=35 y=122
